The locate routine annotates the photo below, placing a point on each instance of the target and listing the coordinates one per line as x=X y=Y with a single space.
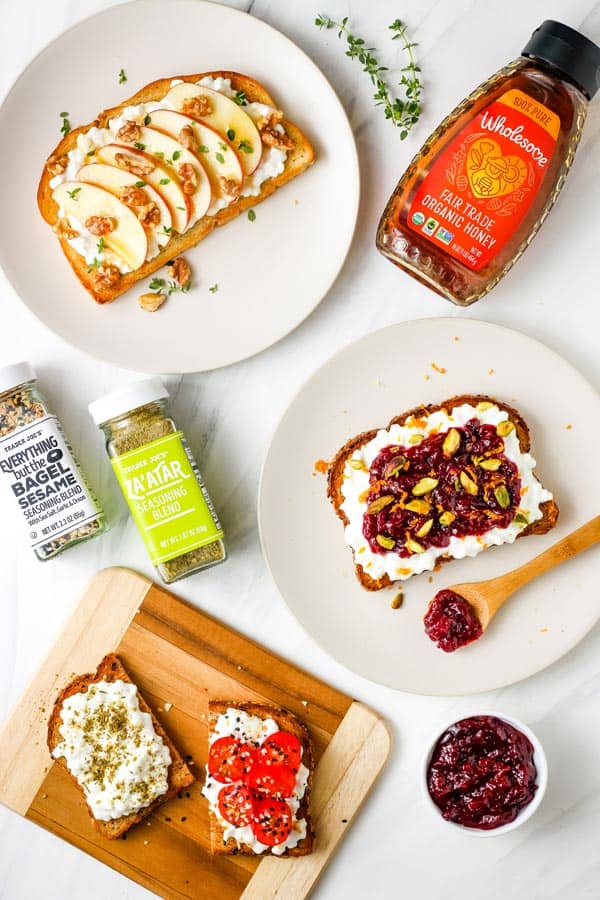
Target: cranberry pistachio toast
x=258 y=780
x=150 y=178
x=441 y=482
x=115 y=750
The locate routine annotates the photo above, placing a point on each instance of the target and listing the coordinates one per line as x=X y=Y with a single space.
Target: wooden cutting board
x=180 y=657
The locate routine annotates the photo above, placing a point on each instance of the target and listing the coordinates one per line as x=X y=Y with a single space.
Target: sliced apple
x=114 y=180
x=128 y=239
x=161 y=179
x=226 y=117
x=171 y=154
x=214 y=151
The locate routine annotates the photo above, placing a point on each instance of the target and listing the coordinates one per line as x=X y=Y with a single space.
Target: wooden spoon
x=486 y=597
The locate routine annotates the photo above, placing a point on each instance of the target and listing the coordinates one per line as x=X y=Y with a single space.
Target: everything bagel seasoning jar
x=160 y=480
x=58 y=507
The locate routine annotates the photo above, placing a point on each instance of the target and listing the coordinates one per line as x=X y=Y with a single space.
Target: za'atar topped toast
x=258 y=780
x=120 y=757
x=440 y=482
x=152 y=177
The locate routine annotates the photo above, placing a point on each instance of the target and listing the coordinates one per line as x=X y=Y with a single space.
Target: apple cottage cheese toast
x=152 y=177
x=258 y=780
x=115 y=750
x=439 y=483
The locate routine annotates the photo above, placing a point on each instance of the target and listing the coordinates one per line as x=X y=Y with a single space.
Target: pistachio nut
x=469 y=484
x=380 y=503
x=425 y=486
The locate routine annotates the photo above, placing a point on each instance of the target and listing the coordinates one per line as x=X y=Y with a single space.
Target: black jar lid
x=569 y=51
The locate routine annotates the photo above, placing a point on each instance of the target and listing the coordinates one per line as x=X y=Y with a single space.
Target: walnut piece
x=274 y=138
x=129 y=132
x=273 y=118
x=133 y=196
x=100 y=225
x=179 y=270
x=186 y=137
x=229 y=186
x=56 y=165
x=149 y=214
x=136 y=165
x=151 y=302
x=106 y=277
x=189 y=178
x=63 y=229
x=197 y=107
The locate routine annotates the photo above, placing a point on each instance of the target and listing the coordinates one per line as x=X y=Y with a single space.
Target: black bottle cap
x=569 y=51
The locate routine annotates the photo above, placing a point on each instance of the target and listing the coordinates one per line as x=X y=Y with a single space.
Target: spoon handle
x=565 y=549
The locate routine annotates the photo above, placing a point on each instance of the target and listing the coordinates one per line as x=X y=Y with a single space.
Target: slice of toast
x=299 y=157
x=111 y=669
x=335 y=475
x=286 y=722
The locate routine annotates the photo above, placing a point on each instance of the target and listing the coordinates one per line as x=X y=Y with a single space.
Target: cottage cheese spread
x=111 y=748
x=356 y=482
x=272 y=163
x=241 y=725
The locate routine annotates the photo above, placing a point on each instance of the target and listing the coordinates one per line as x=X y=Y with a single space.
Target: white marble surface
x=395 y=848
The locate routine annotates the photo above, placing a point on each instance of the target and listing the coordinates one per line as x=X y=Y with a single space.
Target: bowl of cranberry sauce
x=485 y=774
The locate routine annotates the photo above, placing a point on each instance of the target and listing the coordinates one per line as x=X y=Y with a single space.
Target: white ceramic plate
x=271 y=273
x=363 y=387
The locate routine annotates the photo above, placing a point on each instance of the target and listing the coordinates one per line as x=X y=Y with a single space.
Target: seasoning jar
x=160 y=480
x=475 y=195
x=58 y=507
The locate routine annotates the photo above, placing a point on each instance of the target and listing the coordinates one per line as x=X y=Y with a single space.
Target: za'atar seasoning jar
x=57 y=506
x=475 y=195
x=160 y=480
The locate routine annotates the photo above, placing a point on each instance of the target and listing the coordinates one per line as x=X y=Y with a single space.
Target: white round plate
x=271 y=272
x=363 y=387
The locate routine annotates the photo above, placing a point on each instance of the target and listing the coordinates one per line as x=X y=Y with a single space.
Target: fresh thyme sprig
x=403 y=112
x=159 y=285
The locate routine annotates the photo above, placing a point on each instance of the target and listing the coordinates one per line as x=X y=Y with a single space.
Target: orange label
x=480 y=187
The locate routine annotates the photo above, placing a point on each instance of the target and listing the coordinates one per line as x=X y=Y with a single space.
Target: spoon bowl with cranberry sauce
x=485 y=774
x=460 y=614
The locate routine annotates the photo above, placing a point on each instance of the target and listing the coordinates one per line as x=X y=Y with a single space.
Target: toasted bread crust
x=111 y=669
x=286 y=722
x=335 y=473
x=298 y=159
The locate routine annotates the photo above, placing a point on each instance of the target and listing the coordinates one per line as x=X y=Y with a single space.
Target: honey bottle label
x=480 y=188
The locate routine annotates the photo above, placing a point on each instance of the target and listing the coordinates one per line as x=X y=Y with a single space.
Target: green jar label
x=167 y=499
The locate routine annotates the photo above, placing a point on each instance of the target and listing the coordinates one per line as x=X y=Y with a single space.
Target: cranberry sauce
x=482 y=773
x=452 y=484
x=451 y=621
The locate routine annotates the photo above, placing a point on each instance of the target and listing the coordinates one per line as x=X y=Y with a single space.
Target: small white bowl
x=540 y=762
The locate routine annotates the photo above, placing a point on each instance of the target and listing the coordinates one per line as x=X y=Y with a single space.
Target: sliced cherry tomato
x=230 y=760
x=271 y=821
x=235 y=805
x=271 y=780
x=283 y=749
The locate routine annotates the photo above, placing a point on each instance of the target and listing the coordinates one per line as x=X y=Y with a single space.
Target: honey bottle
x=475 y=195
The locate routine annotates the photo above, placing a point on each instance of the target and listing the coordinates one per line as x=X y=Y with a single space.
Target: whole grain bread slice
x=335 y=474
x=111 y=669
x=298 y=159
x=286 y=722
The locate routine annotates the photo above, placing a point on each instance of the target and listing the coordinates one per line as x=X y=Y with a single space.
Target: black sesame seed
x=183 y=818
x=167 y=819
